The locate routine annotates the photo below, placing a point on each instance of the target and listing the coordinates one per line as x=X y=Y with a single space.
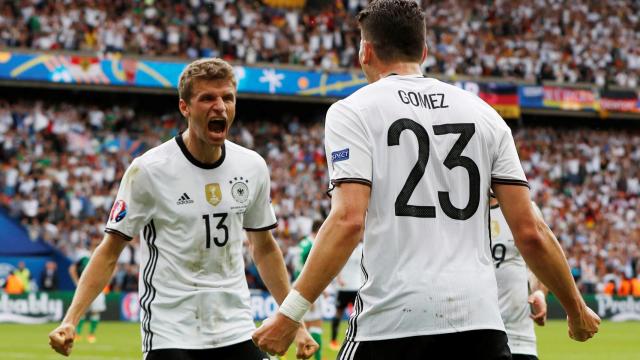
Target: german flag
x=503 y=98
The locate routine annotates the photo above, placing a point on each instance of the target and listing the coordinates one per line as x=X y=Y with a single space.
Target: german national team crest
x=239 y=190
x=213 y=193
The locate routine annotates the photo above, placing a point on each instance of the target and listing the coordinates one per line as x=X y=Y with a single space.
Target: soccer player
x=412 y=160
x=348 y=281
x=518 y=307
x=313 y=317
x=192 y=198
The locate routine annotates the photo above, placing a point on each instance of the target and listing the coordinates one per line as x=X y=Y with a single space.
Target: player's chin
x=216 y=138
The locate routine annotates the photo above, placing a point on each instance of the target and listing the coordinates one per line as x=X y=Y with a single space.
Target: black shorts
x=345 y=298
x=466 y=345
x=524 y=357
x=241 y=351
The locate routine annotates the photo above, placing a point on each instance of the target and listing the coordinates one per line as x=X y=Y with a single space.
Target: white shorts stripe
x=349 y=352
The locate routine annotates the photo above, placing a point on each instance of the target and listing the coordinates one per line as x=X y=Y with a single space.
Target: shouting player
x=192 y=198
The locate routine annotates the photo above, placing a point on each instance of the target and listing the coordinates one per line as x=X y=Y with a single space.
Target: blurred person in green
x=24 y=274
x=313 y=317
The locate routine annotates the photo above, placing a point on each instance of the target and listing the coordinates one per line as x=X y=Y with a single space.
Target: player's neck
x=201 y=151
x=399 y=68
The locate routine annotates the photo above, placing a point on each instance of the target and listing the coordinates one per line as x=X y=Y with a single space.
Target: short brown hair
x=396 y=28
x=204 y=69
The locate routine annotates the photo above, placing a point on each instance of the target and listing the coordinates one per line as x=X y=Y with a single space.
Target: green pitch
x=619 y=341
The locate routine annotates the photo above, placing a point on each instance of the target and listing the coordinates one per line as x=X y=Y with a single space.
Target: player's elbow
x=530 y=240
x=350 y=223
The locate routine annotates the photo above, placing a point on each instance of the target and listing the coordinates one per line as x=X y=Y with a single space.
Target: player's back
x=429 y=151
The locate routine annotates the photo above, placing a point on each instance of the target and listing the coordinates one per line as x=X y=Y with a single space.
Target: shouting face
x=211 y=110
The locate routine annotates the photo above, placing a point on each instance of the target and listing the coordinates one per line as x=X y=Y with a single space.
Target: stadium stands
x=61 y=162
x=580 y=42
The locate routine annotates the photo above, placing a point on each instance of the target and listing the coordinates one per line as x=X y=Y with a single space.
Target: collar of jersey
x=408 y=75
x=195 y=161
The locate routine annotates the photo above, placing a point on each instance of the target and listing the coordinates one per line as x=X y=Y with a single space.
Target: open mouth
x=217 y=126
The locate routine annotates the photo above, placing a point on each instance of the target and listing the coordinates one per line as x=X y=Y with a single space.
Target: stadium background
x=86 y=89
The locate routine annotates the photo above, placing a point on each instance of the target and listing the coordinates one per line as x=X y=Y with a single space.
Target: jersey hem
x=273 y=226
x=510 y=182
x=515 y=352
x=201 y=347
x=426 y=333
x=114 y=231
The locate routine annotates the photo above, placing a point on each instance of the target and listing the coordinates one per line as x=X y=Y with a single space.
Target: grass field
x=619 y=341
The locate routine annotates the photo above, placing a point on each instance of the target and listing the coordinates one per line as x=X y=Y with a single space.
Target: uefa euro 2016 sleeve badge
x=118 y=211
x=213 y=193
x=240 y=190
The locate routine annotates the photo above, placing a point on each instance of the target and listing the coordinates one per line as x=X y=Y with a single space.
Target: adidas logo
x=184 y=199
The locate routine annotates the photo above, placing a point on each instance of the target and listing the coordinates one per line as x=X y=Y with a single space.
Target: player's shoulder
x=241 y=156
x=157 y=156
x=235 y=150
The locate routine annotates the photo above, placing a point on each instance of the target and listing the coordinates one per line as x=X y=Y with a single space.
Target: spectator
x=25 y=276
x=13 y=284
x=130 y=281
x=49 y=277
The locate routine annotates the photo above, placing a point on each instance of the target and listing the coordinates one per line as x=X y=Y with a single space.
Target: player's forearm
x=270 y=264
x=545 y=258
x=92 y=281
x=334 y=243
x=536 y=285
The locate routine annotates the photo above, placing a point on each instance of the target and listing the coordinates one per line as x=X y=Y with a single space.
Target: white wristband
x=294 y=306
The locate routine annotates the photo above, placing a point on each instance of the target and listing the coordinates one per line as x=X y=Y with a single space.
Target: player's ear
x=424 y=53
x=184 y=108
x=366 y=49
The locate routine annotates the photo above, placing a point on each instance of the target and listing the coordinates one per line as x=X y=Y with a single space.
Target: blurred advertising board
x=624 y=101
x=608 y=307
x=41 y=307
x=565 y=98
x=508 y=98
x=129 y=72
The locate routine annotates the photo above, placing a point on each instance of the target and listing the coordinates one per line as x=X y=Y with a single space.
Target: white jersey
x=430 y=152
x=351 y=273
x=191 y=217
x=513 y=286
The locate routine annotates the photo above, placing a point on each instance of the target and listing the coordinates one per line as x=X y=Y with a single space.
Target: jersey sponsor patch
x=340 y=155
x=118 y=211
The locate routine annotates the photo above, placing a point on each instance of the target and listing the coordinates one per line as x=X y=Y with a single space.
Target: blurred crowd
x=577 y=41
x=587 y=183
x=60 y=165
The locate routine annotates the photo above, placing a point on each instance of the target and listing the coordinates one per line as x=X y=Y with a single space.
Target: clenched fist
x=61 y=338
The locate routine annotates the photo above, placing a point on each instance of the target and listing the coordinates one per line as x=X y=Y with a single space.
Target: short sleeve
x=506 y=167
x=132 y=207
x=260 y=215
x=347 y=146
